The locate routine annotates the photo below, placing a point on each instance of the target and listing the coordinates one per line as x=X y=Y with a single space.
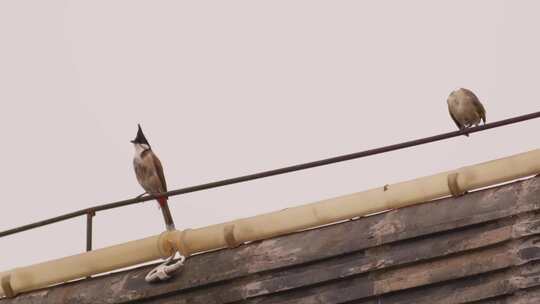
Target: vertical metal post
x=89 y=217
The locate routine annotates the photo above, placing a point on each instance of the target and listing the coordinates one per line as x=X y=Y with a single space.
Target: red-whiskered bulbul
x=465 y=109
x=149 y=173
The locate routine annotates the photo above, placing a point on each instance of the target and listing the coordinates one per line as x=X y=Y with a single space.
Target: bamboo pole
x=88 y=263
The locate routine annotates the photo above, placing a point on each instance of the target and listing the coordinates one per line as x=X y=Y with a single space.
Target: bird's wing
x=454 y=119
x=159 y=170
x=477 y=104
x=481 y=110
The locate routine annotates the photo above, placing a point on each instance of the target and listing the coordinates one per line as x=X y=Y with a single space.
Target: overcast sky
x=226 y=88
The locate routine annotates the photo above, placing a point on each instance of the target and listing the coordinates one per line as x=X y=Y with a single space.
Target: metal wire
x=274 y=172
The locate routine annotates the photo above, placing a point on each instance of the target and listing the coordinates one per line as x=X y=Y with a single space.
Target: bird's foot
x=141 y=195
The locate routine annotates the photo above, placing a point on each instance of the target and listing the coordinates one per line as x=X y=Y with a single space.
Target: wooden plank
x=526 y=296
x=354 y=264
x=490 y=288
x=380 y=282
x=440 y=270
x=472 y=289
x=315 y=245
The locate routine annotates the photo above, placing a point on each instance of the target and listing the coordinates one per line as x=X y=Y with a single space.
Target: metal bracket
x=165 y=270
x=6 y=286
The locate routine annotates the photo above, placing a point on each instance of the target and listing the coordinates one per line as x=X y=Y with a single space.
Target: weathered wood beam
x=527 y=296
x=370 y=260
x=467 y=290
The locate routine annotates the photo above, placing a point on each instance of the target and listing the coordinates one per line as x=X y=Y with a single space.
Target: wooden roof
x=482 y=247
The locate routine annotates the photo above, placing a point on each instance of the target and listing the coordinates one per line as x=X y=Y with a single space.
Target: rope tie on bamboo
x=6 y=286
x=181 y=244
x=453 y=185
x=165 y=270
x=228 y=235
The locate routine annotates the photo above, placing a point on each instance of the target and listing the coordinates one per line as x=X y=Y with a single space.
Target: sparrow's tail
x=169 y=223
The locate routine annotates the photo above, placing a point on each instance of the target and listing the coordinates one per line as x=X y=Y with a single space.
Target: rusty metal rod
x=89 y=216
x=274 y=172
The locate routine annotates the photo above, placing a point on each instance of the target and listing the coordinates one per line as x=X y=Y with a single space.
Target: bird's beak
x=132 y=141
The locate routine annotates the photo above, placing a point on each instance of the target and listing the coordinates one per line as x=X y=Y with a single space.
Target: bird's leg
x=142 y=195
x=464 y=129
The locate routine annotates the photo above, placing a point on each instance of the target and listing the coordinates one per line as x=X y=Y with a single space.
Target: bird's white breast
x=139 y=149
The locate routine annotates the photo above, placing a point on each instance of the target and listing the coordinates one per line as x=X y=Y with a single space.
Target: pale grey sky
x=225 y=88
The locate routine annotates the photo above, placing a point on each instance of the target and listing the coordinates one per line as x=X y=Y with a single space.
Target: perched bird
x=149 y=173
x=465 y=109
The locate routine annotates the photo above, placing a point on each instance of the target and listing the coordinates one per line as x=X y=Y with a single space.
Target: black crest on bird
x=140 y=138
